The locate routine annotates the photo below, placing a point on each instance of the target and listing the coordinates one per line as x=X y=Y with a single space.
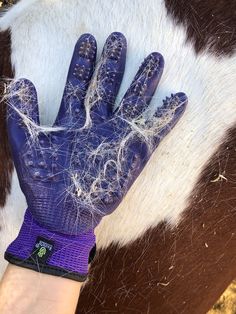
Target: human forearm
x=24 y=291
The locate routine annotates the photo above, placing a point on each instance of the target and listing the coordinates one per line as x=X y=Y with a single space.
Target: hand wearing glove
x=78 y=171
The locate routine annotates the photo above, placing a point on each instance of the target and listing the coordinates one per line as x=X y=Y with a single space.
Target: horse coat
x=170 y=246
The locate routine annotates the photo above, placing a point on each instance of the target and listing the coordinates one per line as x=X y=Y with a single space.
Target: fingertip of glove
x=115 y=46
x=19 y=85
x=157 y=58
x=182 y=101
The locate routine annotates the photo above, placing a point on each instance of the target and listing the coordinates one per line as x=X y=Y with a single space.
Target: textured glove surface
x=78 y=171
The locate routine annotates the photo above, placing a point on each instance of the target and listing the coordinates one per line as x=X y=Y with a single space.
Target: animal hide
x=43 y=34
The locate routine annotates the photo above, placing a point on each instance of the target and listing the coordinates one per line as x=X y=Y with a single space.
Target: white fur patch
x=43 y=36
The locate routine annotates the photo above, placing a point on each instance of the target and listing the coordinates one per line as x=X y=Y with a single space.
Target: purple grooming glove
x=78 y=171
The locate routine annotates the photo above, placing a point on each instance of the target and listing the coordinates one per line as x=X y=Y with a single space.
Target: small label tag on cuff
x=43 y=249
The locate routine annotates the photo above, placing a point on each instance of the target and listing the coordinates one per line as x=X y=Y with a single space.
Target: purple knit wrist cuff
x=51 y=253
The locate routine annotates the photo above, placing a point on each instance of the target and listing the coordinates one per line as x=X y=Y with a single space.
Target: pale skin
x=24 y=291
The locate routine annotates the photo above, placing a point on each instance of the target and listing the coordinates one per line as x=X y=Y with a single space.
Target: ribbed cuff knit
x=52 y=253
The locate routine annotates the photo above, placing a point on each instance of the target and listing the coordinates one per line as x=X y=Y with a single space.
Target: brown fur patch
x=183 y=270
x=6 y=165
x=210 y=24
x=7 y=2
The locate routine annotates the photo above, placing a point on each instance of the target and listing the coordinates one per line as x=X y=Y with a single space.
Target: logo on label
x=43 y=249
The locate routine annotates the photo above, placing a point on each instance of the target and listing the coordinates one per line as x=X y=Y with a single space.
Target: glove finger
x=108 y=78
x=166 y=117
x=79 y=75
x=140 y=93
x=22 y=112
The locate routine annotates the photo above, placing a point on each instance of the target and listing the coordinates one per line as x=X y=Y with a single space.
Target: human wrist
x=50 y=294
x=52 y=253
